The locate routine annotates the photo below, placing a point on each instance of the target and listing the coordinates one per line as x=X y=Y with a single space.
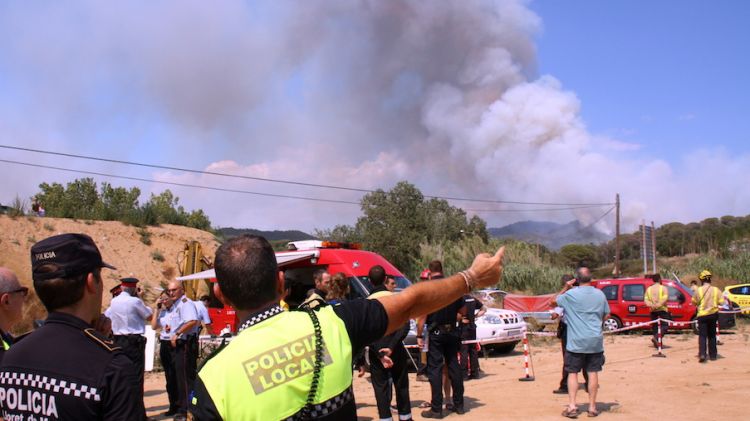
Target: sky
x=506 y=101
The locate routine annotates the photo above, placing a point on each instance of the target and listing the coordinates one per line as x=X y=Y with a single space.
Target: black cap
x=129 y=282
x=73 y=253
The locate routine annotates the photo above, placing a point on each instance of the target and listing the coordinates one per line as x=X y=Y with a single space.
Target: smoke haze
x=445 y=95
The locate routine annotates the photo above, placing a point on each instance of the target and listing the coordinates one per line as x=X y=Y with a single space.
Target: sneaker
x=432 y=414
x=422 y=378
x=561 y=391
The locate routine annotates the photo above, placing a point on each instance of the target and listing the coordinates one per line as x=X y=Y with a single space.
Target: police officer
x=66 y=370
x=298 y=364
x=469 y=354
x=444 y=346
x=129 y=316
x=184 y=345
x=201 y=306
x=163 y=321
x=388 y=358
x=12 y=297
x=707 y=299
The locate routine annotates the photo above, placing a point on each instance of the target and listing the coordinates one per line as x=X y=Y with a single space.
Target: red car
x=625 y=298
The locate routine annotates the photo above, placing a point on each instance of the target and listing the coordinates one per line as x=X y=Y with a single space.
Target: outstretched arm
x=427 y=297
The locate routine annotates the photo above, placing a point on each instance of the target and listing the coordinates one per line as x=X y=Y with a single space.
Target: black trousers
x=166 y=355
x=381 y=382
x=707 y=335
x=185 y=358
x=469 y=353
x=563 y=335
x=444 y=348
x=134 y=347
x=664 y=325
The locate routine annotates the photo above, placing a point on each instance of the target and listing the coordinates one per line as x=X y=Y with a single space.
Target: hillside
x=119 y=244
x=550 y=234
x=287 y=235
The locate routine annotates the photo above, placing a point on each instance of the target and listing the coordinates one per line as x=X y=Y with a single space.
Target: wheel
x=613 y=323
x=506 y=348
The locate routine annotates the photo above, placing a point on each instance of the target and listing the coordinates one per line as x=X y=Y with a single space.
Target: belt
x=443 y=328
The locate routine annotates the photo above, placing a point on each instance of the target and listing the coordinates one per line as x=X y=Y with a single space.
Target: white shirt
x=184 y=312
x=166 y=323
x=128 y=315
x=202 y=312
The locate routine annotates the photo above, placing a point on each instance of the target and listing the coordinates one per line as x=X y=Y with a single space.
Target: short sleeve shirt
x=184 y=312
x=585 y=308
x=128 y=315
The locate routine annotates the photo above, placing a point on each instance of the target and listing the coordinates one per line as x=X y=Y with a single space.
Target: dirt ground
x=634 y=385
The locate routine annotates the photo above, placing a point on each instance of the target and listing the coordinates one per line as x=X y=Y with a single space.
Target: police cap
x=74 y=254
x=129 y=282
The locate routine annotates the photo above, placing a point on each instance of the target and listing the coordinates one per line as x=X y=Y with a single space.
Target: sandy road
x=634 y=385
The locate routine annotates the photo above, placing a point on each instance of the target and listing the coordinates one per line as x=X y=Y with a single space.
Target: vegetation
x=17 y=208
x=157 y=255
x=395 y=223
x=145 y=235
x=81 y=199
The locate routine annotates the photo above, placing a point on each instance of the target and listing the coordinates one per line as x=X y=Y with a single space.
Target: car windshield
x=365 y=287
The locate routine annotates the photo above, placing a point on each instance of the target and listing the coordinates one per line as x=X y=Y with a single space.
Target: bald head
x=175 y=290
x=8 y=280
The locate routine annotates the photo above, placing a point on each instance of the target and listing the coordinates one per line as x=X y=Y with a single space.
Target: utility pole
x=644 y=250
x=653 y=245
x=617 y=235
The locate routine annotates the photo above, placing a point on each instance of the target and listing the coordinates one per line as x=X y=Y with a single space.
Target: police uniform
x=128 y=315
x=382 y=377
x=65 y=370
x=203 y=316
x=266 y=372
x=185 y=353
x=7 y=341
x=444 y=346
x=164 y=319
x=469 y=353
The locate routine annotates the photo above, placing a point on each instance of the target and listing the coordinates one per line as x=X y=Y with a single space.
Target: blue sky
x=543 y=101
x=670 y=75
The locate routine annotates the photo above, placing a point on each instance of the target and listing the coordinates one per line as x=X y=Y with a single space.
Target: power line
x=178 y=184
x=534 y=210
x=271 y=180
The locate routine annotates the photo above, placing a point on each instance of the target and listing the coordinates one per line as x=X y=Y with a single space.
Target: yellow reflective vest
x=265 y=373
x=707 y=298
x=656 y=294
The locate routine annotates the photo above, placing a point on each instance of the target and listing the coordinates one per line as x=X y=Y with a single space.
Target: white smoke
x=357 y=93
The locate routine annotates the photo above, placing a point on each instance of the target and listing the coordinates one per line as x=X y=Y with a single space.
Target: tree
x=574 y=255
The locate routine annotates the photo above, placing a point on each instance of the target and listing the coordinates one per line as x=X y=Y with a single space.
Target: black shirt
x=67 y=371
x=472 y=305
x=447 y=314
x=365 y=322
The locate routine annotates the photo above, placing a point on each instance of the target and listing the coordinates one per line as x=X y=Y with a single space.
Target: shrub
x=156 y=255
x=145 y=236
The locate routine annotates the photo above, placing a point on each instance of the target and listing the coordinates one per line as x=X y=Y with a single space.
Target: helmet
x=705 y=274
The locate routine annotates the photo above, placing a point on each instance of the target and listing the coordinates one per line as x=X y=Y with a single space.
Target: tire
x=613 y=323
x=506 y=348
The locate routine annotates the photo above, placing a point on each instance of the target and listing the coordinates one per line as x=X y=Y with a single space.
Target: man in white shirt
x=129 y=316
x=201 y=306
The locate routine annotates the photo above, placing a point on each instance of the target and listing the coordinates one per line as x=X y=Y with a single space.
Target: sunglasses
x=23 y=290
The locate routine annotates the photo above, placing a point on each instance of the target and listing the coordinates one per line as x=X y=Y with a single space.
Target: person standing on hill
x=707 y=298
x=656 y=299
x=585 y=308
x=12 y=297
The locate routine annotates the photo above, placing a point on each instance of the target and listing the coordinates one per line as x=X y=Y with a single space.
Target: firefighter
x=656 y=297
x=298 y=364
x=66 y=370
x=707 y=299
x=469 y=352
